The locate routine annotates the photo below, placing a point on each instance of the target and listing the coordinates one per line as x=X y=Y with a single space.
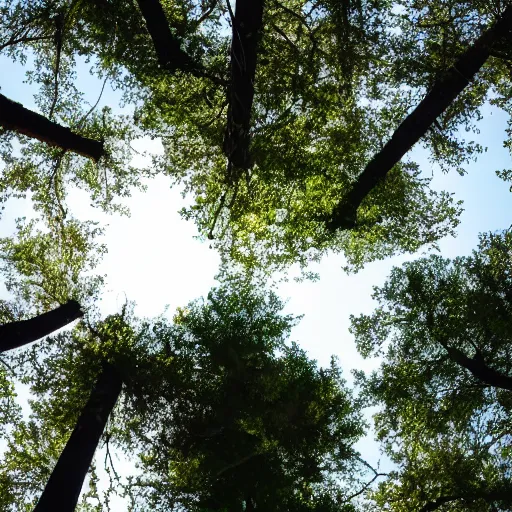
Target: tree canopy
x=289 y=125
x=270 y=116
x=220 y=409
x=443 y=328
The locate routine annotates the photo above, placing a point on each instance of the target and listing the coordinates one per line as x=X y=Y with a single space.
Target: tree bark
x=249 y=505
x=17 y=334
x=416 y=124
x=476 y=365
x=439 y=502
x=247 y=26
x=167 y=46
x=63 y=488
x=14 y=116
x=499 y=494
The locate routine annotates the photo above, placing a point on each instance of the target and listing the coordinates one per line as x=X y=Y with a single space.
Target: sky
x=153 y=258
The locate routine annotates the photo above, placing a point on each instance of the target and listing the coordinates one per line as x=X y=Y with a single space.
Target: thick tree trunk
x=500 y=494
x=247 y=26
x=249 y=505
x=479 y=369
x=63 y=488
x=167 y=46
x=14 y=116
x=418 y=122
x=17 y=334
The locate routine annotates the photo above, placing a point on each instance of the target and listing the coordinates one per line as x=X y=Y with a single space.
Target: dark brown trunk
x=14 y=116
x=418 y=122
x=17 y=334
x=439 y=502
x=247 y=26
x=63 y=488
x=479 y=369
x=249 y=505
x=167 y=46
x=501 y=494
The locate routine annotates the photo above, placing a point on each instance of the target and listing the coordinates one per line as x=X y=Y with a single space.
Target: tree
x=65 y=126
x=208 y=401
x=444 y=329
x=248 y=421
x=270 y=139
x=443 y=93
x=15 y=117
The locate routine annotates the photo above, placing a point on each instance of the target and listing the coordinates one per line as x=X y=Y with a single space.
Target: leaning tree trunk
x=14 y=116
x=167 y=46
x=63 y=488
x=17 y=334
x=416 y=124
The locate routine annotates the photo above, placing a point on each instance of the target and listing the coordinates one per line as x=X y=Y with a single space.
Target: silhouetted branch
x=476 y=365
x=65 y=483
x=14 y=116
x=59 y=32
x=168 y=48
x=17 y=334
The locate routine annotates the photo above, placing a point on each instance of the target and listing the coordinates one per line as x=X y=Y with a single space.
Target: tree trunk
x=63 y=488
x=167 y=46
x=249 y=505
x=14 y=116
x=247 y=26
x=17 y=334
x=416 y=124
x=479 y=369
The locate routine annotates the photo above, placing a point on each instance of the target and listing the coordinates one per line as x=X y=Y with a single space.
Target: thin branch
x=216 y=215
x=59 y=32
x=243 y=460
x=285 y=37
x=25 y=39
x=108 y=457
x=206 y=14
x=365 y=486
x=93 y=108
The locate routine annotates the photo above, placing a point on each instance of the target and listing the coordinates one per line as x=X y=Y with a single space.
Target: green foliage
x=208 y=401
x=327 y=95
x=447 y=430
x=238 y=414
x=44 y=267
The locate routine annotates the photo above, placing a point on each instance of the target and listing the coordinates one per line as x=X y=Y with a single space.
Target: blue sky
x=154 y=260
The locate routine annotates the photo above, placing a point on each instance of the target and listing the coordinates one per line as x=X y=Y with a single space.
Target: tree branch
x=416 y=124
x=17 y=334
x=168 y=48
x=14 y=116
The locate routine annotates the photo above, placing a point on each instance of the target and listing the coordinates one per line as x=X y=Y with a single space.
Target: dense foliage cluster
x=289 y=124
